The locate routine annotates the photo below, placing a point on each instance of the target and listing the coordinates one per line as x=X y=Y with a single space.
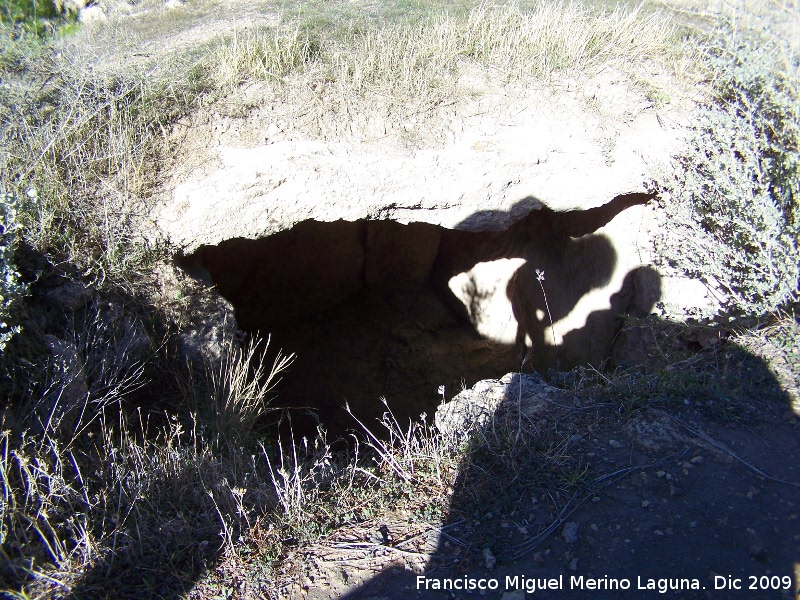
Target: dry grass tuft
x=240 y=386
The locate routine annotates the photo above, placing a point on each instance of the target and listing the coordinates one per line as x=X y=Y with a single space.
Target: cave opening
x=378 y=309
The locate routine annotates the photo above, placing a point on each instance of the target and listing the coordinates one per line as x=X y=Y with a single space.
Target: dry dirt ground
x=700 y=493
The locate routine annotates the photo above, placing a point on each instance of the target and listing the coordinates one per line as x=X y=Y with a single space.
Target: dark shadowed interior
x=367 y=309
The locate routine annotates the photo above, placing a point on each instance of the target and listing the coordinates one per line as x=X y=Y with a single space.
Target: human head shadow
x=594 y=343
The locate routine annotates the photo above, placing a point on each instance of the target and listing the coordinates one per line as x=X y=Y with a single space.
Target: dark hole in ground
x=367 y=309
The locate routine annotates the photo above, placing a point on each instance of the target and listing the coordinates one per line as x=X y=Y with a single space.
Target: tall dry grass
x=412 y=59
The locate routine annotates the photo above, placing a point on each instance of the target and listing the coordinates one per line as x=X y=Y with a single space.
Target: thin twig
x=439 y=530
x=540 y=279
x=563 y=515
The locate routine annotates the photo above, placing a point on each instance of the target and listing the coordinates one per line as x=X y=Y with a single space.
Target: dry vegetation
x=113 y=482
x=410 y=60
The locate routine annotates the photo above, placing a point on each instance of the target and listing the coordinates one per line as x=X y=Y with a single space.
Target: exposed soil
x=694 y=492
x=400 y=347
x=696 y=488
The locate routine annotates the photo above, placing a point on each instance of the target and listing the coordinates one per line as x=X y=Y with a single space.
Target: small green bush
x=11 y=289
x=732 y=196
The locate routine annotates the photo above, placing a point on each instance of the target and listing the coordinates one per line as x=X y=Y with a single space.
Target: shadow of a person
x=574 y=269
x=608 y=495
x=563 y=246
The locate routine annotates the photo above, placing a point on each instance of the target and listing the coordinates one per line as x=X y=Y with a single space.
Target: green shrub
x=732 y=196
x=36 y=16
x=11 y=289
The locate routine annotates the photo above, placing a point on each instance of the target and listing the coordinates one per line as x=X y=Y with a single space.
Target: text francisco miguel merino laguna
x=575 y=582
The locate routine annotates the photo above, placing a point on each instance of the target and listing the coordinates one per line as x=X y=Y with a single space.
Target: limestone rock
x=204 y=339
x=537 y=151
x=570 y=532
x=69 y=296
x=529 y=224
x=489 y=559
x=474 y=408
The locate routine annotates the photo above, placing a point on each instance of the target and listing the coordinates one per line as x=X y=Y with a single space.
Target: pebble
x=758 y=553
x=489 y=559
x=696 y=460
x=573 y=566
x=614 y=444
x=570 y=532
